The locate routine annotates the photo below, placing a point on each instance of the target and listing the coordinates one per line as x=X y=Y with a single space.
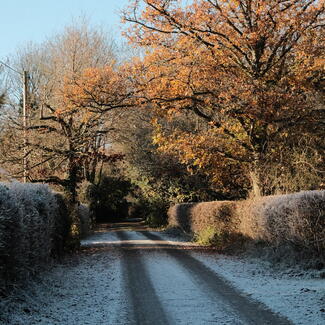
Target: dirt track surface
x=129 y=275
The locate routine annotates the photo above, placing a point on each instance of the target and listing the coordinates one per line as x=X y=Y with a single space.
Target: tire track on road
x=251 y=311
x=146 y=306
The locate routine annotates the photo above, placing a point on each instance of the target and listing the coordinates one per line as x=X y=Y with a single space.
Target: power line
x=9 y=67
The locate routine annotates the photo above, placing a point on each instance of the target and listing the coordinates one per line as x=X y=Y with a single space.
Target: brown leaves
x=239 y=66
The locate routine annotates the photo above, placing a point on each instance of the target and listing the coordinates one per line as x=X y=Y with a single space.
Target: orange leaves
x=208 y=151
x=239 y=67
x=253 y=35
x=222 y=53
x=96 y=89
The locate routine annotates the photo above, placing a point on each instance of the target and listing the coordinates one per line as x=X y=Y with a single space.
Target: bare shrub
x=293 y=169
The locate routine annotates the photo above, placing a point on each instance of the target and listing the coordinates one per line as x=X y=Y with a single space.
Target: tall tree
x=240 y=66
x=65 y=138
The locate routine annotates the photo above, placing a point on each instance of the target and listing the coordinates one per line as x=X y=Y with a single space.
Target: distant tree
x=108 y=198
x=66 y=138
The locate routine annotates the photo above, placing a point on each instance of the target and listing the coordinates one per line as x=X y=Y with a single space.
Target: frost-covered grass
x=298 y=295
x=84 y=289
x=33 y=227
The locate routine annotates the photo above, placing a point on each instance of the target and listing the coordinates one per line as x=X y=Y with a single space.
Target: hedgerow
x=295 y=221
x=34 y=227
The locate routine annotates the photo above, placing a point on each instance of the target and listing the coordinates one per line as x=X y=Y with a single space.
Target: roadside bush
x=210 y=236
x=62 y=226
x=34 y=226
x=295 y=221
x=108 y=199
x=155 y=213
x=196 y=217
x=180 y=216
x=9 y=237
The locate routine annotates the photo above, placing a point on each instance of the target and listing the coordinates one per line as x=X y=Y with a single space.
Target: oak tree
x=240 y=66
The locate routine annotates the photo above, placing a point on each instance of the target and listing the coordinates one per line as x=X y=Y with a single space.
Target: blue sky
x=23 y=21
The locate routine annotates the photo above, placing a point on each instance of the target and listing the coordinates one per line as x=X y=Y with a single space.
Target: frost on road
x=136 y=276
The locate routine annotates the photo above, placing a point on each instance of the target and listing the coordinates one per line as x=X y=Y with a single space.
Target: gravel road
x=135 y=276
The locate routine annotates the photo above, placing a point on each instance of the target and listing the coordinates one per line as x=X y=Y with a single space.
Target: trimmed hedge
x=34 y=227
x=297 y=219
x=195 y=217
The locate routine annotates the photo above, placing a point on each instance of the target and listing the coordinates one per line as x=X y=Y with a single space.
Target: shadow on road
x=110 y=236
x=135 y=224
x=142 y=249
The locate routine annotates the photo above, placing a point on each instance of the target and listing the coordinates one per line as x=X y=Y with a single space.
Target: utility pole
x=25 y=125
x=25 y=116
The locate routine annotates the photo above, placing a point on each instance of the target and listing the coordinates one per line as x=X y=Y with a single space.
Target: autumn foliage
x=97 y=90
x=230 y=93
x=249 y=71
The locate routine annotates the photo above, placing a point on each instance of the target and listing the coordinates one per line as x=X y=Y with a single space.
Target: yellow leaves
x=203 y=151
x=157 y=137
x=58 y=112
x=87 y=116
x=319 y=62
